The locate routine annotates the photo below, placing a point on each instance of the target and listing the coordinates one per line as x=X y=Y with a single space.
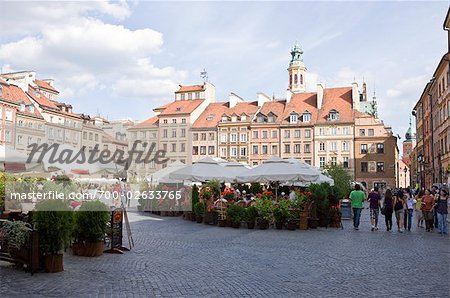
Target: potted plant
x=17 y=234
x=281 y=213
x=236 y=213
x=91 y=222
x=264 y=207
x=300 y=205
x=199 y=211
x=250 y=216
x=54 y=223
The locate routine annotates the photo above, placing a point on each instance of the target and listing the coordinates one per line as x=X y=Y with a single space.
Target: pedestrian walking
x=357 y=196
x=398 y=208
x=435 y=193
x=427 y=210
x=418 y=209
x=410 y=204
x=374 y=205
x=442 y=211
x=388 y=207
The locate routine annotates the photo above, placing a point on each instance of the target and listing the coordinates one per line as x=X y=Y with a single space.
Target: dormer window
x=306 y=116
x=260 y=119
x=233 y=118
x=224 y=118
x=243 y=117
x=182 y=96
x=209 y=118
x=333 y=115
x=22 y=107
x=178 y=109
x=293 y=118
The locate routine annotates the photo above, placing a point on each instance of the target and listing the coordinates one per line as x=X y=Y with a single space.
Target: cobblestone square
x=177 y=258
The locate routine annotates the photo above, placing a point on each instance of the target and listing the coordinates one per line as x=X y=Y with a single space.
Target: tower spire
x=296 y=70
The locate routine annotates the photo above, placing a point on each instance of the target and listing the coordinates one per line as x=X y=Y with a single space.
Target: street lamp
x=405 y=170
x=420 y=167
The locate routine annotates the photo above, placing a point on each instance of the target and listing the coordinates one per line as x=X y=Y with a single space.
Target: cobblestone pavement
x=177 y=258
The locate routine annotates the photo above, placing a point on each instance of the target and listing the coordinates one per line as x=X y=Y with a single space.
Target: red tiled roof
x=214 y=111
x=299 y=103
x=192 y=88
x=162 y=107
x=149 y=122
x=276 y=107
x=14 y=94
x=46 y=103
x=45 y=85
x=248 y=108
x=181 y=107
x=339 y=99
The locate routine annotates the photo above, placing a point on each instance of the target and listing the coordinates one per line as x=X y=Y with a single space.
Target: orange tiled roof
x=192 y=88
x=46 y=103
x=299 y=103
x=181 y=107
x=248 y=108
x=275 y=106
x=14 y=94
x=45 y=85
x=146 y=123
x=339 y=99
x=211 y=115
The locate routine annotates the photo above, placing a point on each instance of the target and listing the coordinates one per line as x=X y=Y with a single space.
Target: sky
x=122 y=59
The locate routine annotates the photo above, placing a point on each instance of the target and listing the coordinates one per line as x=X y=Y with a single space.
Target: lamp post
x=420 y=167
x=405 y=170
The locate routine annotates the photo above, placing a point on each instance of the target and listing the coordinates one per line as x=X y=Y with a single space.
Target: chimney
x=319 y=95
x=262 y=98
x=355 y=96
x=234 y=99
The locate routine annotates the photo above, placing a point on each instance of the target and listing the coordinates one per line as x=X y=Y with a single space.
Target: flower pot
x=236 y=225
x=313 y=223
x=199 y=219
x=323 y=222
x=250 y=225
x=303 y=222
x=222 y=223
x=292 y=225
x=53 y=263
x=279 y=225
x=229 y=223
x=263 y=225
x=88 y=249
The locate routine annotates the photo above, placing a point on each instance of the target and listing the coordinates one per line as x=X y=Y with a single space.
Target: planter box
x=222 y=223
x=313 y=223
x=263 y=225
x=292 y=225
x=236 y=225
x=88 y=249
x=250 y=225
x=54 y=263
x=279 y=225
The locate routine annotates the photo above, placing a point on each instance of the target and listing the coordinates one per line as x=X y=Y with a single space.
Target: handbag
x=383 y=210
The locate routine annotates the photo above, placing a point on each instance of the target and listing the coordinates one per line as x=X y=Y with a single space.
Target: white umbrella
x=276 y=169
x=234 y=169
x=162 y=176
x=321 y=179
x=205 y=169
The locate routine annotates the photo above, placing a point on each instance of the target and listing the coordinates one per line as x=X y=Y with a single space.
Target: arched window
x=295 y=79
x=301 y=79
x=290 y=80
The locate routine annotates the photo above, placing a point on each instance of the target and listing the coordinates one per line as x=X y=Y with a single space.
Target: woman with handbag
x=399 y=202
x=388 y=209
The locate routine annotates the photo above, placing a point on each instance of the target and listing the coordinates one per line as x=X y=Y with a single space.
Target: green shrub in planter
x=236 y=213
x=91 y=221
x=199 y=209
x=17 y=233
x=251 y=213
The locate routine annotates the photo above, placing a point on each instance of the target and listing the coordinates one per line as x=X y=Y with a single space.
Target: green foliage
x=319 y=195
x=236 y=213
x=281 y=211
x=195 y=195
x=214 y=185
x=199 y=209
x=2 y=190
x=17 y=233
x=265 y=209
x=342 y=179
x=251 y=213
x=91 y=221
x=256 y=188
x=54 y=222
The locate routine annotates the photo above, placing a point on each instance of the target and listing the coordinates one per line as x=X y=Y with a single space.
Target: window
x=174 y=121
x=333 y=131
x=321 y=131
x=255 y=149
x=380 y=166
x=22 y=107
x=211 y=136
x=165 y=147
x=334 y=115
x=271 y=119
x=297 y=133
x=287 y=134
x=223 y=138
x=189 y=96
x=297 y=148
x=345 y=130
x=91 y=135
x=264 y=149
x=306 y=117
x=333 y=160
x=243 y=151
x=182 y=96
x=345 y=162
x=233 y=118
x=165 y=133
x=260 y=119
x=183 y=147
x=96 y=137
x=287 y=148
x=195 y=136
x=8 y=115
x=307 y=133
x=274 y=134
x=233 y=151
x=380 y=148
x=183 y=120
x=224 y=118
x=233 y=137
x=211 y=150
x=243 y=118
x=255 y=134
x=223 y=152
x=322 y=162
x=274 y=149
x=322 y=147
x=197 y=95
x=333 y=146
x=364 y=167
x=345 y=146
x=307 y=148
x=202 y=150
x=243 y=137
x=362 y=132
x=165 y=121
x=174 y=147
x=363 y=148
x=183 y=132
x=293 y=118
x=142 y=134
x=264 y=134
x=370 y=132
x=19 y=140
x=203 y=136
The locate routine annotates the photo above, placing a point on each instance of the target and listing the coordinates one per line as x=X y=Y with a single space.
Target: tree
x=342 y=179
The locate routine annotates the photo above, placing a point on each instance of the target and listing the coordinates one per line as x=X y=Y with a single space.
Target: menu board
x=116 y=226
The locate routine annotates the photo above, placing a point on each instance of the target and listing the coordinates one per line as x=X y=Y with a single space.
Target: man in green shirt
x=357 y=197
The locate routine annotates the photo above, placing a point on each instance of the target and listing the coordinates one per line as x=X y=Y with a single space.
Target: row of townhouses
x=31 y=113
x=328 y=126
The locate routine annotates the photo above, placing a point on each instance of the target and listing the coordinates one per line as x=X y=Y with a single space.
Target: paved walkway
x=177 y=258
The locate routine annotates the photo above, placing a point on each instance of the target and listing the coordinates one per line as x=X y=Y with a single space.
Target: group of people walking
x=429 y=206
